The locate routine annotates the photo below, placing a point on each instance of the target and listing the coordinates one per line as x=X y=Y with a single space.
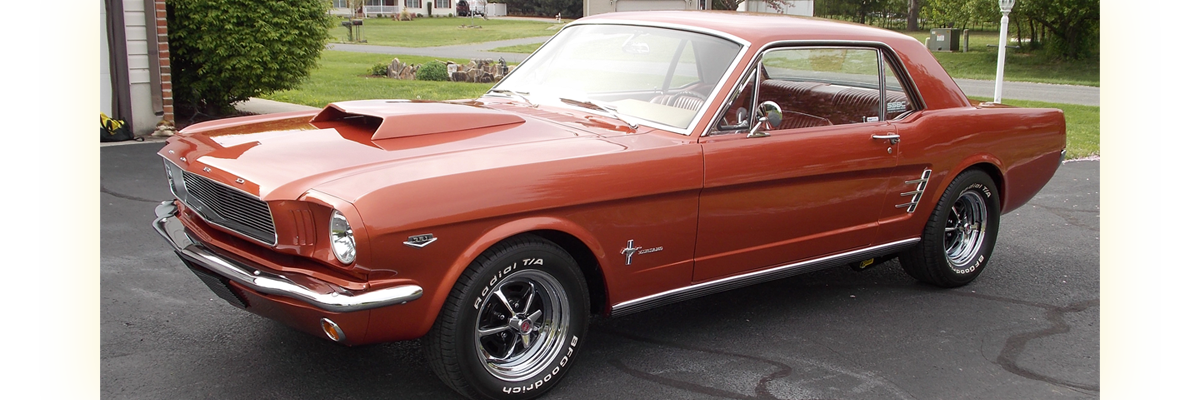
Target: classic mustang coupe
x=635 y=160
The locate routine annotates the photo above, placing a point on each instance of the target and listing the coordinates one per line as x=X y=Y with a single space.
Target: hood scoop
x=402 y=118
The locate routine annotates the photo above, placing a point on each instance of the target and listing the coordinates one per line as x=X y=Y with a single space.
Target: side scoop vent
x=401 y=118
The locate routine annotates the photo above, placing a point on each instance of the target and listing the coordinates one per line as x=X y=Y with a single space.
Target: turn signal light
x=332 y=330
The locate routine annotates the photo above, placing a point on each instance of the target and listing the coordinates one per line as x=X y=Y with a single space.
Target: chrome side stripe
x=756 y=277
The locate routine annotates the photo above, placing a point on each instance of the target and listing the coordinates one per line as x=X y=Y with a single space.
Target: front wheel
x=511 y=326
x=960 y=235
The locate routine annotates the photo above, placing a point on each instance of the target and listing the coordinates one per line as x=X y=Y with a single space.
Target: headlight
x=341 y=237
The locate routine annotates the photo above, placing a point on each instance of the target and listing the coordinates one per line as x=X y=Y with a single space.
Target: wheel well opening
x=996 y=176
x=597 y=292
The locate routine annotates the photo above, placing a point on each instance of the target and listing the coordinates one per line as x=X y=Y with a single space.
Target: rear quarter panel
x=1020 y=147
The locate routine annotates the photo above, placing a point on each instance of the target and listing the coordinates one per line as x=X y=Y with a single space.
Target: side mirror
x=771 y=115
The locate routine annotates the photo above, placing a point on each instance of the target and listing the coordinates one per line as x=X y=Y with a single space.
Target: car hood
x=281 y=156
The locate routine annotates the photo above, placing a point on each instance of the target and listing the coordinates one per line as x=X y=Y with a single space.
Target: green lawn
x=979 y=62
x=1083 y=125
x=345 y=76
x=430 y=32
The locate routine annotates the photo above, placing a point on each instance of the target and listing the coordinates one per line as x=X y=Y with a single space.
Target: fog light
x=332 y=330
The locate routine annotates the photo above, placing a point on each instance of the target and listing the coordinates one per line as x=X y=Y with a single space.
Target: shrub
x=225 y=51
x=379 y=69
x=433 y=71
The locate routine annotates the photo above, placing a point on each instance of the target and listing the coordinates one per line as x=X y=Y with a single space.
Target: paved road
x=1027 y=328
x=1069 y=94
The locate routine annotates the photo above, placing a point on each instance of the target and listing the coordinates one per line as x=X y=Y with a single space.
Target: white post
x=1005 y=7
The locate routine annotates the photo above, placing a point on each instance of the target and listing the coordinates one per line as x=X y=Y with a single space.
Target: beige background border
x=1132 y=314
x=1132 y=216
x=67 y=196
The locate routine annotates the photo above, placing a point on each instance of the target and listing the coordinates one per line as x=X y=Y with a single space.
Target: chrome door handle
x=894 y=138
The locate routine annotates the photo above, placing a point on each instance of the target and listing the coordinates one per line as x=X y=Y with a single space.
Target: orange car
x=634 y=160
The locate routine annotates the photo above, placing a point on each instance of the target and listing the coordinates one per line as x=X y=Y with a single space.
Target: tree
x=854 y=10
x=914 y=14
x=225 y=51
x=1074 y=25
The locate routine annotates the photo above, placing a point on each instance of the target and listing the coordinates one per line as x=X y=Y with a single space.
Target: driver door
x=812 y=185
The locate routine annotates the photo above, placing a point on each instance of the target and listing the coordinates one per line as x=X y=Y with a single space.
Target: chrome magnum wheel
x=521 y=325
x=966 y=230
x=960 y=234
x=512 y=324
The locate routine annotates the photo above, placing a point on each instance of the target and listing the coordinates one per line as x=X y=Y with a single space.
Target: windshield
x=649 y=74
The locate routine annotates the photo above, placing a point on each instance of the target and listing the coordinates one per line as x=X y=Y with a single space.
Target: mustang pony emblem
x=630 y=250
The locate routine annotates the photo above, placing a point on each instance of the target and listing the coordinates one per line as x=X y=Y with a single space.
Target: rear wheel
x=960 y=235
x=512 y=324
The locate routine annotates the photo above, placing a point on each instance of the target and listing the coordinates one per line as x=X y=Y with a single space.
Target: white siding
x=106 y=91
x=795 y=7
x=136 y=33
x=593 y=7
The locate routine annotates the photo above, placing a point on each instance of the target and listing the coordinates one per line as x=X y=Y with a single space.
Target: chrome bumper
x=168 y=225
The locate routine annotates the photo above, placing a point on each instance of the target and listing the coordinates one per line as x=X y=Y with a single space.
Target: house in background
x=593 y=7
x=135 y=63
x=792 y=7
x=375 y=8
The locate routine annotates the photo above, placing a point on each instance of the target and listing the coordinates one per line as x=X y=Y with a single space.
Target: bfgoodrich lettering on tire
x=513 y=323
x=958 y=239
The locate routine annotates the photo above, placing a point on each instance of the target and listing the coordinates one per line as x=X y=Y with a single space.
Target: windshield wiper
x=511 y=93
x=608 y=111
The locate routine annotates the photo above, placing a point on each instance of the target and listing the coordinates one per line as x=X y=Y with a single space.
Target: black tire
x=513 y=323
x=958 y=239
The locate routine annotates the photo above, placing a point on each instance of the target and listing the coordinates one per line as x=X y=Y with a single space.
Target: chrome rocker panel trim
x=168 y=225
x=756 y=277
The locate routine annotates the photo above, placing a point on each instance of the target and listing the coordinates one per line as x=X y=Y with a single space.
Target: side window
x=823 y=86
x=898 y=103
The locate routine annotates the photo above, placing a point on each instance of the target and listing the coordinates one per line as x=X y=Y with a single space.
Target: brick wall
x=164 y=59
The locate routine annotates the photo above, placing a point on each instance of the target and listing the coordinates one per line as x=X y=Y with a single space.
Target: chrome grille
x=230 y=208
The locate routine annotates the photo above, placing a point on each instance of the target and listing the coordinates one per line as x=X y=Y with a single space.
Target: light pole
x=1006 y=6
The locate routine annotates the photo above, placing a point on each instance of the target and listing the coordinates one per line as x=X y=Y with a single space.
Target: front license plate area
x=219 y=285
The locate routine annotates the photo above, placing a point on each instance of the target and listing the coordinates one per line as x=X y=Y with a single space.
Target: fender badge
x=630 y=250
x=420 y=241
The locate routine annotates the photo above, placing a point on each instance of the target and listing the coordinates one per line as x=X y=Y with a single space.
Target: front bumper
x=333 y=300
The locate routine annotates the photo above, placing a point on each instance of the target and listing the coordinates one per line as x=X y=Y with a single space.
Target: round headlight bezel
x=341 y=238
